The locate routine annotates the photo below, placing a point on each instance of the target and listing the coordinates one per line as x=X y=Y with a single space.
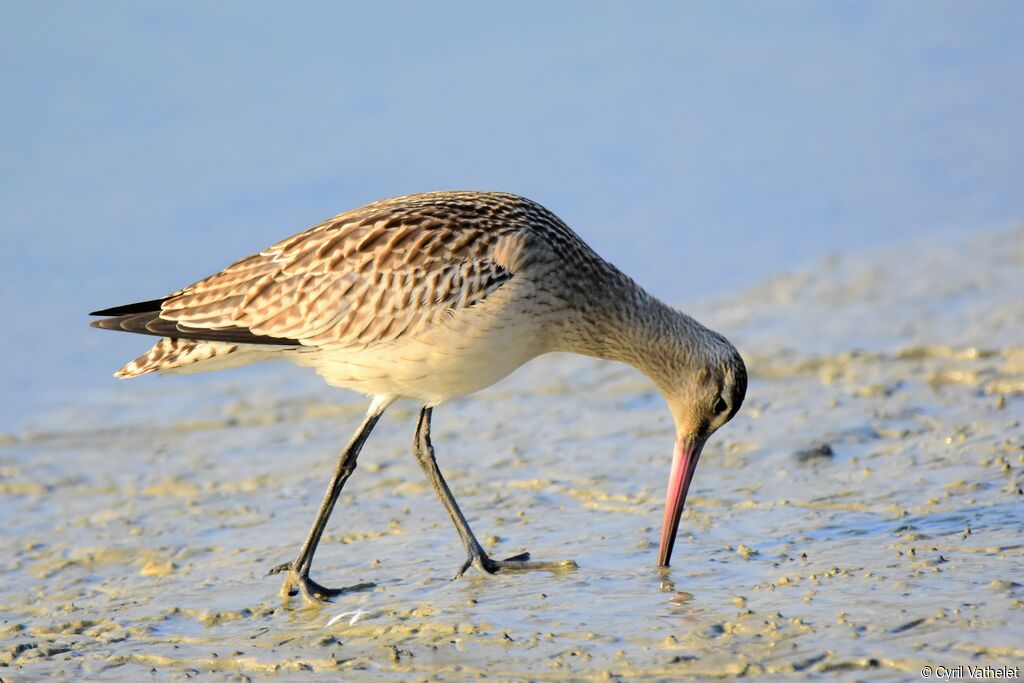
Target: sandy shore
x=862 y=515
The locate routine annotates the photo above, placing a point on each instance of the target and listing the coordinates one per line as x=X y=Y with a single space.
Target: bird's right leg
x=424 y=452
x=298 y=570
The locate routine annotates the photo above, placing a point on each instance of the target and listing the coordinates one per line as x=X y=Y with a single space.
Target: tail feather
x=182 y=347
x=170 y=354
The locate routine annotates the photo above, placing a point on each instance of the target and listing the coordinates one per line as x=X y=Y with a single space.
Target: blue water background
x=700 y=146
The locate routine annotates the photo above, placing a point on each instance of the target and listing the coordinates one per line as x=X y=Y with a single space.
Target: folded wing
x=363 y=277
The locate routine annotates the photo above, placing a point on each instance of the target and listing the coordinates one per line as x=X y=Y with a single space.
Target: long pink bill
x=684 y=464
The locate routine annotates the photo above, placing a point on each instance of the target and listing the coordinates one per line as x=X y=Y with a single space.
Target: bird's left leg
x=297 y=578
x=424 y=452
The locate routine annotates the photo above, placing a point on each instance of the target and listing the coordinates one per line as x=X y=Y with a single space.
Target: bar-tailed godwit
x=430 y=297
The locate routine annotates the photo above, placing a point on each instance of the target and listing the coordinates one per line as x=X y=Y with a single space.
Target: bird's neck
x=624 y=323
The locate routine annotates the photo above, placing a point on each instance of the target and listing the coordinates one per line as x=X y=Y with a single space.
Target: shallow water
x=138 y=535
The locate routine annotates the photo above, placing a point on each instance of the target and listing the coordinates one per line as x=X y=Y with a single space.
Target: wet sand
x=861 y=516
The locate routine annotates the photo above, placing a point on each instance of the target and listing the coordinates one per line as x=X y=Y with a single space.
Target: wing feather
x=363 y=277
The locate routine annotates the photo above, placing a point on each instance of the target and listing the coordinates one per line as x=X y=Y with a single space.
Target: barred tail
x=171 y=354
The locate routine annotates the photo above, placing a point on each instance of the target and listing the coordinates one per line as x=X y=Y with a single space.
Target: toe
x=280 y=568
x=521 y=557
x=462 y=570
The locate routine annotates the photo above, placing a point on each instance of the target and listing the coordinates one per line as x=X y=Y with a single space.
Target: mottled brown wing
x=364 y=277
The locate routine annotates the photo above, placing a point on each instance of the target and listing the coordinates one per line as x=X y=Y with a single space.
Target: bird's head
x=704 y=394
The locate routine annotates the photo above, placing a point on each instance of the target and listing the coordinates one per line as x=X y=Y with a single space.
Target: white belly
x=458 y=355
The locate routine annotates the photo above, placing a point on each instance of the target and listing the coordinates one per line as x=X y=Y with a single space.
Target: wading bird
x=430 y=297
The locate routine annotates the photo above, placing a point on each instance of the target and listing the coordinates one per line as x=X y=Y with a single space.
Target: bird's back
x=441 y=269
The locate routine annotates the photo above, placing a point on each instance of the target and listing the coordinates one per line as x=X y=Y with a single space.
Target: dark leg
x=298 y=571
x=424 y=452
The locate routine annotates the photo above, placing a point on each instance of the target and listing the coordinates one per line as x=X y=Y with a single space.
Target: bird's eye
x=721 y=406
